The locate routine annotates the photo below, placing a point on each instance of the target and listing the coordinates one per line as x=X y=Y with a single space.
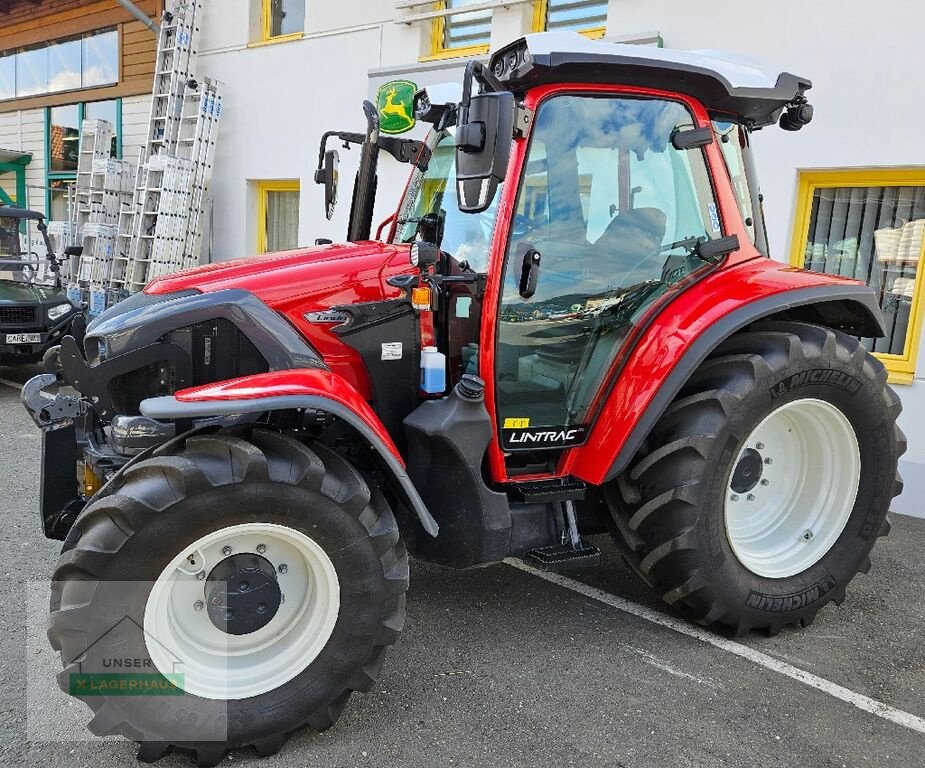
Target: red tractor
x=570 y=325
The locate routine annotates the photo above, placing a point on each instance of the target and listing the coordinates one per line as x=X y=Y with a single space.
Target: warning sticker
x=520 y=423
x=391 y=350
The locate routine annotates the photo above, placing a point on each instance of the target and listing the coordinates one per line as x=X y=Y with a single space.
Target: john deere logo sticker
x=394 y=102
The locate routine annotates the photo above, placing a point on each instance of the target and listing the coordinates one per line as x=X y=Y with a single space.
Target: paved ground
x=497 y=667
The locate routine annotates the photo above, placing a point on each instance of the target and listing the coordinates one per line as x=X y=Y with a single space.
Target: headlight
x=58 y=311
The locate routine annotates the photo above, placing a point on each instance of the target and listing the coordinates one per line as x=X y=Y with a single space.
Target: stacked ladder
x=95 y=145
x=161 y=232
x=136 y=223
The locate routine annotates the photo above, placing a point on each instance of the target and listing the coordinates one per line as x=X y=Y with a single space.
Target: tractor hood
x=301 y=286
x=307 y=278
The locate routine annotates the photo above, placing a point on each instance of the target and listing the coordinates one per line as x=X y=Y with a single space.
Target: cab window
x=615 y=213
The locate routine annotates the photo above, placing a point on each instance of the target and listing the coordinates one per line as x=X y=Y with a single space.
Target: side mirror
x=327 y=175
x=483 y=148
x=430 y=227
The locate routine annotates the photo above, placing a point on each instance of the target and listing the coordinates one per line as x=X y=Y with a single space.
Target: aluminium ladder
x=161 y=232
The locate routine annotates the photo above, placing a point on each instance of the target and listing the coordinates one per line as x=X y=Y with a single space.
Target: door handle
x=529 y=272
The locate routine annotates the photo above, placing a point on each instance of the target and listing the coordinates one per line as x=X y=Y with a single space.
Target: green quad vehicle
x=35 y=313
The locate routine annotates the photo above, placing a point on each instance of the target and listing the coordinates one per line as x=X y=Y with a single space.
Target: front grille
x=17 y=316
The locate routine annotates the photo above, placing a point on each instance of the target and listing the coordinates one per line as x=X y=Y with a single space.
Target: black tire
x=668 y=511
x=166 y=502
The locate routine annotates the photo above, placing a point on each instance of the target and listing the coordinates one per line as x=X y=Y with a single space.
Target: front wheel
x=762 y=489
x=227 y=592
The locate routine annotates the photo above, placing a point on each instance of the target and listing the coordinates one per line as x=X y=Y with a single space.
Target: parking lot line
x=12 y=384
x=878 y=708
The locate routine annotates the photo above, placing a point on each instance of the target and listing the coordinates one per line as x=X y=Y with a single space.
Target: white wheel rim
x=182 y=640
x=784 y=517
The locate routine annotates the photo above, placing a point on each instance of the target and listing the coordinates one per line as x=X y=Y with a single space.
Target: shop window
x=870 y=225
x=100 y=58
x=586 y=16
x=7 y=77
x=62 y=144
x=62 y=65
x=283 y=19
x=277 y=216
x=462 y=34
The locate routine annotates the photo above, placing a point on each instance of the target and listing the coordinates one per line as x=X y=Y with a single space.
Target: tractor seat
x=632 y=235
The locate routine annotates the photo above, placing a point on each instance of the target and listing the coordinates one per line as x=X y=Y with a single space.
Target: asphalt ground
x=499 y=667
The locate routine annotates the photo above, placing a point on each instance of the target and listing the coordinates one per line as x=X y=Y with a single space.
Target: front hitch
x=49 y=410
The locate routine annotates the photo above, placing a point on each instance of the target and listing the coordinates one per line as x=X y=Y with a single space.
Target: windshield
x=17 y=263
x=466 y=236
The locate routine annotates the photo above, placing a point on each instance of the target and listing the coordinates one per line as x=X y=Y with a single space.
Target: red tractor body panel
x=306 y=280
x=297 y=382
x=662 y=343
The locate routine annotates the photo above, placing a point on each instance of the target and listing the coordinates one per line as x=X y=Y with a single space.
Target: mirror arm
x=407 y=151
x=347 y=137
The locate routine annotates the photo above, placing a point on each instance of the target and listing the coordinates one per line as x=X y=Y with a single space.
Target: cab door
x=607 y=219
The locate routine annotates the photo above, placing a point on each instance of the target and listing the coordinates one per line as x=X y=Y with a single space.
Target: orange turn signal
x=420 y=297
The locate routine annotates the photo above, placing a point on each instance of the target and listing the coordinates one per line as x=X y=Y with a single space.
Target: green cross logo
x=394 y=103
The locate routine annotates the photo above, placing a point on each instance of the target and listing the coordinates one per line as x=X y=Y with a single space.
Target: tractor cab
x=588 y=205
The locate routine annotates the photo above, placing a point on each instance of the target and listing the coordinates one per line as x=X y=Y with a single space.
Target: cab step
x=559 y=489
x=563 y=557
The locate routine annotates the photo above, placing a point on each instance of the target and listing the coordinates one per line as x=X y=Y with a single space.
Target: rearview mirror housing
x=327 y=175
x=483 y=146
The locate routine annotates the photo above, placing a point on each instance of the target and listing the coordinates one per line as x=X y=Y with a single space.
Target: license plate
x=24 y=338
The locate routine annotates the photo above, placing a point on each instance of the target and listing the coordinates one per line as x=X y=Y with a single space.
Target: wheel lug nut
x=201 y=575
x=765 y=481
x=198 y=605
x=769 y=460
x=807 y=535
x=261 y=548
x=759 y=446
x=750 y=497
x=283 y=568
x=226 y=550
x=733 y=498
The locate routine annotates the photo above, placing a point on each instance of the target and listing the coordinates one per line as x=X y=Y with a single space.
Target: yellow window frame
x=264 y=188
x=901 y=367
x=266 y=26
x=540 y=11
x=438 y=50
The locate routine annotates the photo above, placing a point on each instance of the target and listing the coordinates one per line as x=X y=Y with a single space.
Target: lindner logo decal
x=394 y=102
x=532 y=438
x=328 y=316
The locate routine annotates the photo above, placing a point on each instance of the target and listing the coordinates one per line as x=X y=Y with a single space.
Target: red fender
x=309 y=388
x=316 y=382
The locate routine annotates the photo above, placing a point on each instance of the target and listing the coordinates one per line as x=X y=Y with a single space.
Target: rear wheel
x=245 y=585
x=762 y=489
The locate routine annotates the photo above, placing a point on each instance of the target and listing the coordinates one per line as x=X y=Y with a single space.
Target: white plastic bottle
x=433 y=371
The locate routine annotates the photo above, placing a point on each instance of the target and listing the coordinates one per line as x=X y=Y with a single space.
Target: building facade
x=845 y=195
